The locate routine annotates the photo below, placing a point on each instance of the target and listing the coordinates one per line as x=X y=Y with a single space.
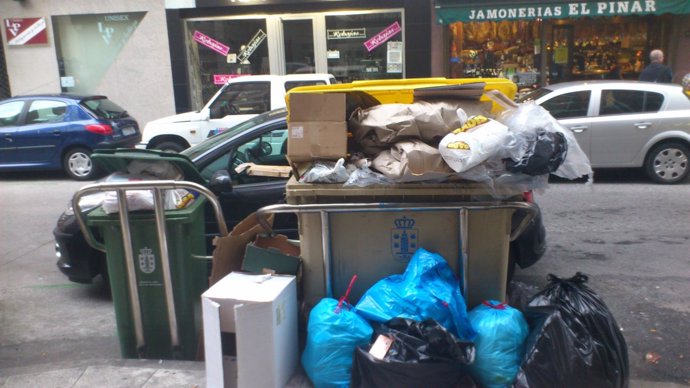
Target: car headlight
x=86 y=203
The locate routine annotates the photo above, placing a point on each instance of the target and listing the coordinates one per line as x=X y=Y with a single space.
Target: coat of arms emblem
x=147 y=261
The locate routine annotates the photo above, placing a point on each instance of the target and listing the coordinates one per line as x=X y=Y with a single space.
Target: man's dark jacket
x=657 y=72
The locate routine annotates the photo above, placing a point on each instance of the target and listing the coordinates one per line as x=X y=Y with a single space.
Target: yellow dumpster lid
x=403 y=90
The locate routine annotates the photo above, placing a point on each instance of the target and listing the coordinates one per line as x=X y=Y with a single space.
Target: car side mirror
x=206 y=114
x=220 y=182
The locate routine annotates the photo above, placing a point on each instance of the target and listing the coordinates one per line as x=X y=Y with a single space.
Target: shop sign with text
x=383 y=36
x=25 y=31
x=349 y=33
x=221 y=79
x=211 y=43
x=449 y=11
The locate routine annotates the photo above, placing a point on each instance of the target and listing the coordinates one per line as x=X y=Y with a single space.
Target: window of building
x=218 y=49
x=86 y=46
x=365 y=46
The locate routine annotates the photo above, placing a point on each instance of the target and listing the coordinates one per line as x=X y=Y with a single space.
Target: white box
x=261 y=312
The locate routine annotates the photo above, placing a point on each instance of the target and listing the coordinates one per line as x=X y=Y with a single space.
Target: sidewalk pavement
x=128 y=373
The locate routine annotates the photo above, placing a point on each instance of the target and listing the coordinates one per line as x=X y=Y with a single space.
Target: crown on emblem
x=404 y=223
x=146 y=251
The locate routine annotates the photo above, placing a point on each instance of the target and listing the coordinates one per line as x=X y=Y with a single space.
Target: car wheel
x=169 y=146
x=668 y=163
x=78 y=164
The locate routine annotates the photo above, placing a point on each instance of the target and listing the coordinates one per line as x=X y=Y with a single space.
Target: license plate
x=126 y=131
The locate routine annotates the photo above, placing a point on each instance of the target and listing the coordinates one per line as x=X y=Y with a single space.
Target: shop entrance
x=561 y=56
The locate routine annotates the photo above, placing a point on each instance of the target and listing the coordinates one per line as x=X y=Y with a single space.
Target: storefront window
x=365 y=46
x=598 y=48
x=86 y=46
x=220 y=49
x=299 y=46
x=509 y=49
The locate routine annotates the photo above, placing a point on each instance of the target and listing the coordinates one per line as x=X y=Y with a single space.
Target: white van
x=240 y=99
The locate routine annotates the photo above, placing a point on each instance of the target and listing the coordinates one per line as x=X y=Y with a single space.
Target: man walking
x=657 y=71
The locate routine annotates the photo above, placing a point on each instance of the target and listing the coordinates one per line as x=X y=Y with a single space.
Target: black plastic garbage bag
x=546 y=154
x=574 y=339
x=422 y=354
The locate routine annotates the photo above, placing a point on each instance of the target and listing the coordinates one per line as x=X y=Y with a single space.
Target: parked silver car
x=621 y=124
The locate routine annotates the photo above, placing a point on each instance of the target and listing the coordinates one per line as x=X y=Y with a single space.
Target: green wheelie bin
x=156 y=265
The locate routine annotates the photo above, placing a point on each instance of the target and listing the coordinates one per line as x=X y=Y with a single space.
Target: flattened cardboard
x=261 y=312
x=317 y=127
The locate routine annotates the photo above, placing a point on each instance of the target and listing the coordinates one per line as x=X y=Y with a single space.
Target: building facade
x=161 y=57
x=157 y=57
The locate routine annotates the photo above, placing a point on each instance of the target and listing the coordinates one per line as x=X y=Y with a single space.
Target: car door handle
x=579 y=128
x=56 y=131
x=8 y=137
x=643 y=125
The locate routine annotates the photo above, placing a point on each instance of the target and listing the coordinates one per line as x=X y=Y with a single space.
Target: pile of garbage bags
x=414 y=330
x=437 y=141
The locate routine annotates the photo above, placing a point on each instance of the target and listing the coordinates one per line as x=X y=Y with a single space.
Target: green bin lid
x=116 y=160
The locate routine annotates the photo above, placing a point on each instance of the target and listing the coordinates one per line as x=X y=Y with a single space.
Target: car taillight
x=101 y=129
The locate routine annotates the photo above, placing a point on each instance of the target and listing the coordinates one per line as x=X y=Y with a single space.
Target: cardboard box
x=317 y=126
x=250 y=331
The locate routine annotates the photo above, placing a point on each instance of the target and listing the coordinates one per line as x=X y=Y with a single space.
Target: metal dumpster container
x=372 y=232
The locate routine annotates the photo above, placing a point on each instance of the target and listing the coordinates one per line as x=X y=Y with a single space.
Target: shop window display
x=219 y=49
x=532 y=52
x=365 y=46
x=608 y=50
x=508 y=49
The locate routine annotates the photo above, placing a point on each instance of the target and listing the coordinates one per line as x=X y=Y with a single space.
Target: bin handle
x=142 y=185
x=531 y=210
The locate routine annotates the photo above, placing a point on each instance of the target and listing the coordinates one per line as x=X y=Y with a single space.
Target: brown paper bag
x=412 y=161
x=229 y=250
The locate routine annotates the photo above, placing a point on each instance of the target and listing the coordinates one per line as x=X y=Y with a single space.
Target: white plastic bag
x=364 y=176
x=326 y=172
x=525 y=121
x=478 y=140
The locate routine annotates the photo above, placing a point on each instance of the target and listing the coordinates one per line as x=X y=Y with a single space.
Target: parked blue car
x=59 y=131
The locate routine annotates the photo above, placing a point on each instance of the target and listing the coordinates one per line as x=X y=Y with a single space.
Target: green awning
x=451 y=11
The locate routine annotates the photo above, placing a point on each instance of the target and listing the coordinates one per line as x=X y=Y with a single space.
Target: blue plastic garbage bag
x=427 y=289
x=333 y=334
x=501 y=334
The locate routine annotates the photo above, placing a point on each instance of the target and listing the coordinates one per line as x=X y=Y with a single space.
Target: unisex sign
x=26 y=31
x=450 y=11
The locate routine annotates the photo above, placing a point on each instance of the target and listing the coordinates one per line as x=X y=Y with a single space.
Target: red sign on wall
x=25 y=31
